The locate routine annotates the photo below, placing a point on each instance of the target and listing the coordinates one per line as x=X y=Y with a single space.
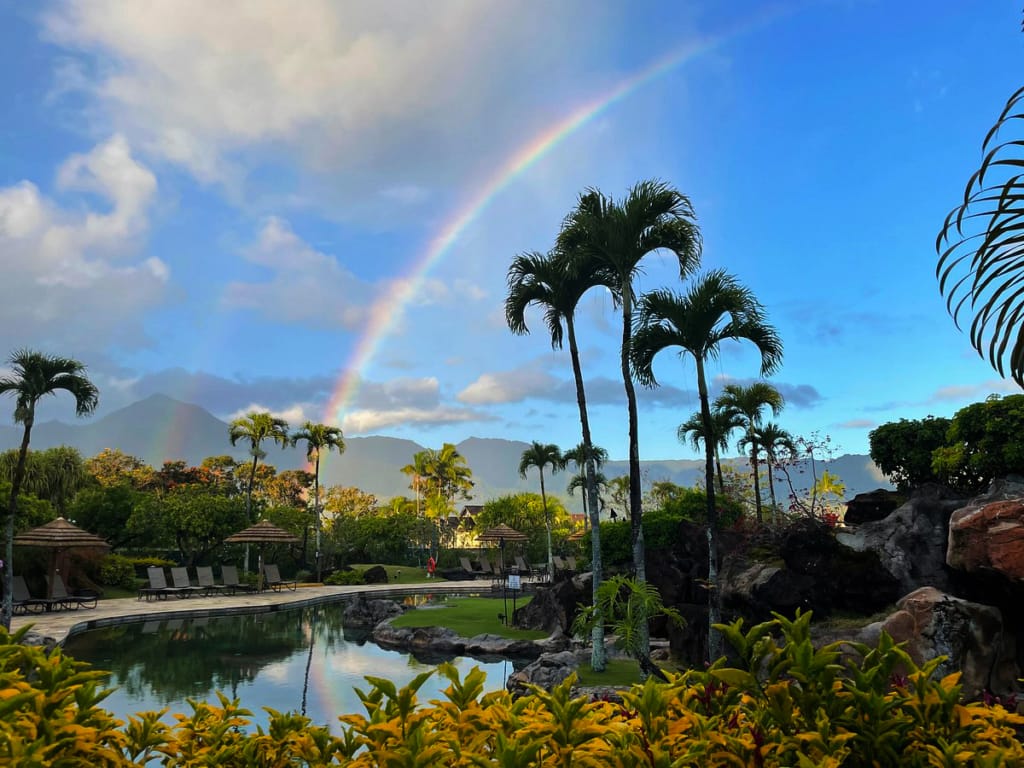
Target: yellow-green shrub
x=786 y=704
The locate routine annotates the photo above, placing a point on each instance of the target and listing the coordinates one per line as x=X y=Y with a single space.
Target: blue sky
x=209 y=200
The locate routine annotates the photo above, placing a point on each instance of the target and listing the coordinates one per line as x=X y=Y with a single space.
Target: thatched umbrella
x=500 y=535
x=58 y=535
x=264 y=532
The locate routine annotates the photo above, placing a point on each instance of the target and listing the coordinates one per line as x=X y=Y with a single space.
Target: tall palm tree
x=449 y=474
x=319 y=438
x=417 y=472
x=715 y=308
x=35 y=375
x=538 y=456
x=748 y=401
x=581 y=456
x=981 y=247
x=556 y=283
x=616 y=236
x=723 y=422
x=773 y=439
x=255 y=427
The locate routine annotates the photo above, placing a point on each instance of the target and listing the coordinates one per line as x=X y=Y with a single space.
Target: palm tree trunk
x=718 y=468
x=770 y=461
x=12 y=511
x=598 y=657
x=635 y=509
x=316 y=511
x=714 y=593
x=248 y=506
x=547 y=526
x=757 y=481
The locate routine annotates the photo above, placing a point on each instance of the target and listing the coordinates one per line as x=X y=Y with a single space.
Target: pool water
x=298 y=660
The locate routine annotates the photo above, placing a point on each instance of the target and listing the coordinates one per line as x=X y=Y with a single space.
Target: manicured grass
x=617 y=672
x=113 y=593
x=399 y=574
x=468 y=616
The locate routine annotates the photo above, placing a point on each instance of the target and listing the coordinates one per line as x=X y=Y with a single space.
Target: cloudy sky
x=311 y=207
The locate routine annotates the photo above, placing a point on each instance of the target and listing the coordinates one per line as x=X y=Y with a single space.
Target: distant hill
x=160 y=428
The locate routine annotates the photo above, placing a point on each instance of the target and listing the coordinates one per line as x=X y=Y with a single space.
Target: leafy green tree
x=747 y=402
x=627 y=605
x=984 y=442
x=105 y=510
x=350 y=502
x=191 y=518
x=614 y=237
x=223 y=472
x=113 y=467
x=34 y=376
x=981 y=247
x=525 y=512
x=538 y=456
x=716 y=308
x=319 y=438
x=556 y=282
x=903 y=449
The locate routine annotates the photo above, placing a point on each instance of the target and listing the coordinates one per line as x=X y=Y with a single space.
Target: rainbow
x=386 y=310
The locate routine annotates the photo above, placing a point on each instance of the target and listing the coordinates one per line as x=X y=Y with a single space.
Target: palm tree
x=34 y=376
x=723 y=423
x=615 y=236
x=540 y=455
x=255 y=427
x=557 y=283
x=448 y=472
x=981 y=248
x=716 y=308
x=772 y=439
x=417 y=472
x=581 y=482
x=748 y=402
x=582 y=456
x=319 y=438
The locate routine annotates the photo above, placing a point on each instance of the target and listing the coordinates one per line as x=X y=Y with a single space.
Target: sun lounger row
x=22 y=601
x=182 y=586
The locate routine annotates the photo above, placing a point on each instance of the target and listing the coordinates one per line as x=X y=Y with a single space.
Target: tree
x=716 y=308
x=538 y=456
x=747 y=402
x=984 y=442
x=319 y=438
x=417 y=472
x=527 y=513
x=34 y=376
x=113 y=467
x=446 y=476
x=723 y=422
x=351 y=502
x=773 y=440
x=255 y=427
x=556 y=282
x=981 y=248
x=802 y=456
x=614 y=237
x=579 y=456
x=903 y=449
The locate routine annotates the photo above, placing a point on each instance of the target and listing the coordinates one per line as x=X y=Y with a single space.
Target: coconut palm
x=255 y=427
x=981 y=248
x=319 y=438
x=35 y=375
x=748 y=401
x=723 y=423
x=417 y=472
x=579 y=456
x=615 y=236
x=715 y=308
x=538 y=456
x=773 y=440
x=556 y=283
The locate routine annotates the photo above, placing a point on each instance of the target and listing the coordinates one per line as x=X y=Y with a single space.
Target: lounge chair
x=467 y=567
x=78 y=599
x=229 y=575
x=23 y=602
x=272 y=579
x=571 y=562
x=560 y=565
x=204 y=575
x=182 y=582
x=157 y=585
x=524 y=568
x=485 y=566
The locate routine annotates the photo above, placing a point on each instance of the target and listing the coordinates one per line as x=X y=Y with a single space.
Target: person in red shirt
x=431 y=567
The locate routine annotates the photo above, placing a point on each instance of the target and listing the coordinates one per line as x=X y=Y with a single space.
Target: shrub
x=117 y=571
x=345 y=578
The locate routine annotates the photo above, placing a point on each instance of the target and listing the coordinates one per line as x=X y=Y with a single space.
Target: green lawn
x=616 y=672
x=469 y=616
x=399 y=574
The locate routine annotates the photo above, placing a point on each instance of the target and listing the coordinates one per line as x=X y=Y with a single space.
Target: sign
x=513 y=581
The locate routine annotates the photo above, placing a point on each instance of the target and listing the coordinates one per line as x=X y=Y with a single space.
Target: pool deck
x=60 y=625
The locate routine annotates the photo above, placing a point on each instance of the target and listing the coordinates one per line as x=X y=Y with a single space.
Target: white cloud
x=509 y=387
x=294 y=414
x=73 y=277
x=960 y=392
x=363 y=421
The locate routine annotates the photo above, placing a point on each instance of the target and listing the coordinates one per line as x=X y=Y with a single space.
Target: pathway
x=60 y=625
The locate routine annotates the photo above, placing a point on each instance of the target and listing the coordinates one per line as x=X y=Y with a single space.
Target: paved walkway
x=60 y=625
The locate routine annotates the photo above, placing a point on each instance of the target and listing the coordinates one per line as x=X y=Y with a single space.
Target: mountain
x=160 y=428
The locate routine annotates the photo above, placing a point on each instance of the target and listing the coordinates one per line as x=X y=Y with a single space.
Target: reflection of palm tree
x=538 y=456
x=319 y=438
x=716 y=308
x=314 y=614
x=34 y=376
x=747 y=401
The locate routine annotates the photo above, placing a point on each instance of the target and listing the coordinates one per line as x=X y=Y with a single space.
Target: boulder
x=871 y=506
x=987 y=534
x=375 y=575
x=971 y=636
x=547 y=671
x=554 y=607
x=361 y=612
x=910 y=543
